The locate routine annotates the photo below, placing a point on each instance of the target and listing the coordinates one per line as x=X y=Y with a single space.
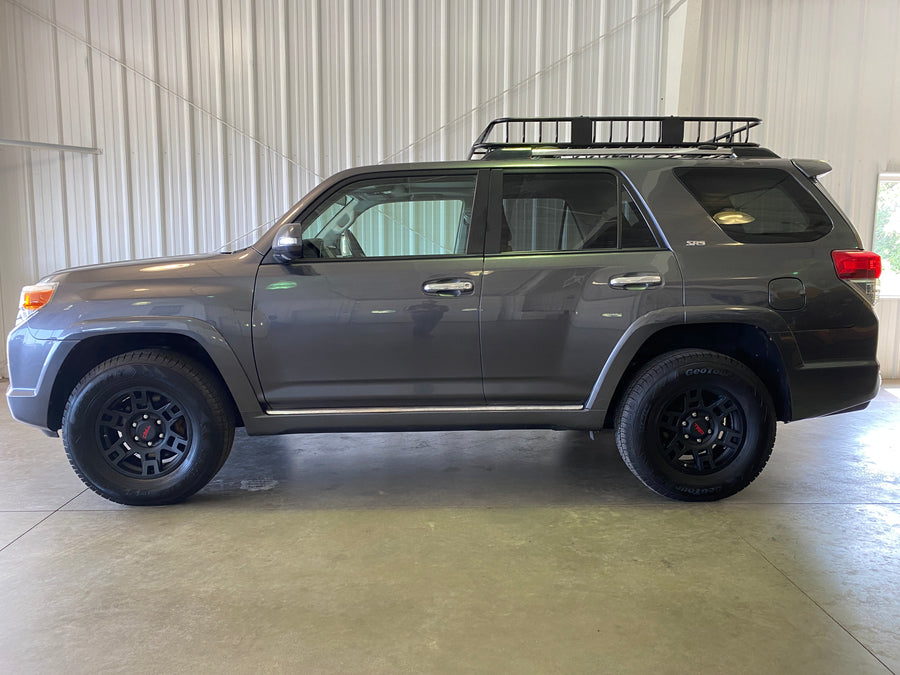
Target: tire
x=147 y=428
x=695 y=425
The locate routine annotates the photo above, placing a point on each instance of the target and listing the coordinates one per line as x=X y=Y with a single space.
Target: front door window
x=418 y=216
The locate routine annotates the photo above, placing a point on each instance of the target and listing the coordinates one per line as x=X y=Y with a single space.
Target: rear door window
x=757 y=205
x=569 y=212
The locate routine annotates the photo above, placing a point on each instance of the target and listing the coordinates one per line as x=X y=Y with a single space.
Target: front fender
x=241 y=381
x=37 y=362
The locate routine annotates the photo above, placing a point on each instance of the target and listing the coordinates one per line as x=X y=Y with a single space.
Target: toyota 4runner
x=661 y=276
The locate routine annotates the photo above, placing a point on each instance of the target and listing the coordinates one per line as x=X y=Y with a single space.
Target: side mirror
x=286 y=249
x=289 y=246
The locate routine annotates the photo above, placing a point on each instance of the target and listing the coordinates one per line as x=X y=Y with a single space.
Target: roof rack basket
x=583 y=136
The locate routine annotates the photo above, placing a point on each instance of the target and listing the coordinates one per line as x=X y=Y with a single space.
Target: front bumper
x=33 y=368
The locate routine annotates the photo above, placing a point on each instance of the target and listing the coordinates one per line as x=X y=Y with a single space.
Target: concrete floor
x=491 y=552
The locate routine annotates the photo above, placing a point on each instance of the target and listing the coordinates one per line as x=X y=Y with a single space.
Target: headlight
x=33 y=298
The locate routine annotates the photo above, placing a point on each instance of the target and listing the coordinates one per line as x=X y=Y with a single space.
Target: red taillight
x=856 y=264
x=859 y=270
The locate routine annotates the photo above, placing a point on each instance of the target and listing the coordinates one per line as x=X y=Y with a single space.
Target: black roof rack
x=617 y=136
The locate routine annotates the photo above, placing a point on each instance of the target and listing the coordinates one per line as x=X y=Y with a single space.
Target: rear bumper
x=856 y=408
x=828 y=388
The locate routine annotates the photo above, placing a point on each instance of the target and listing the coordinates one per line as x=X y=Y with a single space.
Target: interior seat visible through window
x=569 y=212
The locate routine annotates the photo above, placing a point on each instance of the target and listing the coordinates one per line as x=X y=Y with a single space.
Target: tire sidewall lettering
x=702 y=370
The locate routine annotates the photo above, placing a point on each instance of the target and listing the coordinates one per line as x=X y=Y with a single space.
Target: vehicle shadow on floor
x=427 y=469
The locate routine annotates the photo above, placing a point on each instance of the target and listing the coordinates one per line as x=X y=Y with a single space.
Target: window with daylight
x=395 y=217
x=886 y=242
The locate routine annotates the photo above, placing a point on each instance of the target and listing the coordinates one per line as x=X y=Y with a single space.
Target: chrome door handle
x=448 y=287
x=636 y=282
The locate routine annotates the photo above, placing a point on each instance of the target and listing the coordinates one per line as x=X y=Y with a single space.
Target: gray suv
x=664 y=277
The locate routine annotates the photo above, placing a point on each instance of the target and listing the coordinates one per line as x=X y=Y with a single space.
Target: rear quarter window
x=757 y=206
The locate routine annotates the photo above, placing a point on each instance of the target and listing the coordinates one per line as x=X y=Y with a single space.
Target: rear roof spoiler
x=812 y=168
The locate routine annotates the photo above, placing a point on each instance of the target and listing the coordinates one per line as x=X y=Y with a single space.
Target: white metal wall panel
x=889 y=349
x=215 y=115
x=824 y=76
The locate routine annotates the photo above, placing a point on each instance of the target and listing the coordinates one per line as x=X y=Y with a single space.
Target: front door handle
x=635 y=282
x=448 y=287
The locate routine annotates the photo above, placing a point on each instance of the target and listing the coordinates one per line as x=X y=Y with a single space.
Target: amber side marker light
x=35 y=297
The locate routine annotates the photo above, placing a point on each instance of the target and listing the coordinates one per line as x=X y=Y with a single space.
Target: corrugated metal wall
x=824 y=75
x=215 y=115
x=888 y=310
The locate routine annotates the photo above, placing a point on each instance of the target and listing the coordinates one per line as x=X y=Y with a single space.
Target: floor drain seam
x=816 y=603
x=42 y=520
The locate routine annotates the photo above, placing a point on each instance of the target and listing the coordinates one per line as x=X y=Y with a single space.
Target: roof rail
x=584 y=136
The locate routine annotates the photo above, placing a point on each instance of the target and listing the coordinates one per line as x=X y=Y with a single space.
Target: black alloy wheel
x=695 y=425
x=143 y=433
x=701 y=430
x=148 y=427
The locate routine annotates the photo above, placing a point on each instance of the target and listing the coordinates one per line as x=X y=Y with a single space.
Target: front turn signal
x=33 y=298
x=36 y=296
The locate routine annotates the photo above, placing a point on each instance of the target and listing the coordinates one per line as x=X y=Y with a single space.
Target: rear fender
x=616 y=370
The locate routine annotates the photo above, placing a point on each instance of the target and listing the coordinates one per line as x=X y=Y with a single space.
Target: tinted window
x=635 y=232
x=427 y=216
x=569 y=212
x=757 y=205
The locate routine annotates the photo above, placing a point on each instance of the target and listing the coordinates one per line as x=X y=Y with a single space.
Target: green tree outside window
x=887 y=234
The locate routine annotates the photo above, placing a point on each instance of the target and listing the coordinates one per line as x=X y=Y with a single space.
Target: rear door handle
x=636 y=282
x=448 y=287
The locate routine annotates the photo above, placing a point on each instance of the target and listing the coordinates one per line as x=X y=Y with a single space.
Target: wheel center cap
x=144 y=431
x=147 y=430
x=696 y=427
